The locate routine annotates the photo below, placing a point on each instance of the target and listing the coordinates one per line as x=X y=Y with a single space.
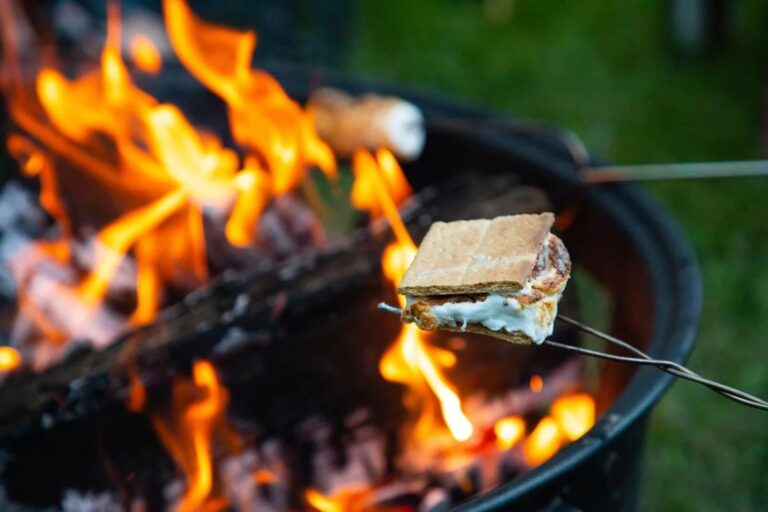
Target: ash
x=75 y=501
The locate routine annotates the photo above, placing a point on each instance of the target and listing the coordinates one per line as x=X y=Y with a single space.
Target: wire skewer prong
x=670 y=367
x=592 y=174
x=643 y=359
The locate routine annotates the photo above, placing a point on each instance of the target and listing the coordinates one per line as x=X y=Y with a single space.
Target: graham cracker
x=477 y=256
x=516 y=337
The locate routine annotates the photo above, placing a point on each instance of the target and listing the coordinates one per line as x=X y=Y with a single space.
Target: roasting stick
x=598 y=174
x=644 y=359
x=685 y=171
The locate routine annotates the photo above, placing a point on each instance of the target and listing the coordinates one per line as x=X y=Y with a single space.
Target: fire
x=137 y=394
x=379 y=184
x=509 y=431
x=536 y=384
x=145 y=55
x=187 y=436
x=158 y=171
x=574 y=413
x=395 y=261
x=410 y=360
x=10 y=359
x=413 y=362
x=570 y=417
x=375 y=190
x=543 y=443
x=253 y=184
x=263 y=477
x=352 y=499
x=119 y=236
x=160 y=175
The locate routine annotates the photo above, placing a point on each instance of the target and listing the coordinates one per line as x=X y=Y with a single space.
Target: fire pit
x=302 y=350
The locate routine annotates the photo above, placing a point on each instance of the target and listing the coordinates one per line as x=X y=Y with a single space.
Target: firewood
x=253 y=311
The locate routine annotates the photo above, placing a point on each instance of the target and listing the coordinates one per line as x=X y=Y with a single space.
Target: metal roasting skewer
x=644 y=359
x=598 y=174
x=684 y=171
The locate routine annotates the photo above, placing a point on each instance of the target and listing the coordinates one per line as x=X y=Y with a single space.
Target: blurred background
x=640 y=81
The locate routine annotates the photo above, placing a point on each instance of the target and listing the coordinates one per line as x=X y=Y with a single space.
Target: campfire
x=149 y=226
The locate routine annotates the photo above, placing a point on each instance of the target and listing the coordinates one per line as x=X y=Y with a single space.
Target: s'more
x=501 y=277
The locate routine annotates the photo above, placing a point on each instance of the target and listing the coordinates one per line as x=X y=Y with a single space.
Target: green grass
x=600 y=68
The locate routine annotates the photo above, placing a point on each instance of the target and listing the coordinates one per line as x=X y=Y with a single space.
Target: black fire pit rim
x=660 y=240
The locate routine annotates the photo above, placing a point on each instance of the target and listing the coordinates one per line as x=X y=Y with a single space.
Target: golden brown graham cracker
x=477 y=256
x=516 y=337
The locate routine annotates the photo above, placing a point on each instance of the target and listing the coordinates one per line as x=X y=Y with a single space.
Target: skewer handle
x=685 y=171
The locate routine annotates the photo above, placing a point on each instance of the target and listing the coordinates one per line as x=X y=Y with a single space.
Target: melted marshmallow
x=499 y=313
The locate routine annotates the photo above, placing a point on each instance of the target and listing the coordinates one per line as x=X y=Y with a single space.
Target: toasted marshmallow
x=371 y=122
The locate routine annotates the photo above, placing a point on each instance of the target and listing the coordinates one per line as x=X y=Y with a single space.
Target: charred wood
x=265 y=325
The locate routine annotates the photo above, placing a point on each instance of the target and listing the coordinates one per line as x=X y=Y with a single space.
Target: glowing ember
x=347 y=500
x=10 y=359
x=543 y=442
x=509 y=431
x=145 y=56
x=536 y=384
x=137 y=394
x=574 y=413
x=263 y=477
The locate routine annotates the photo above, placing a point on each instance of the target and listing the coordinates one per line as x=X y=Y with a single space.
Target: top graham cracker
x=477 y=256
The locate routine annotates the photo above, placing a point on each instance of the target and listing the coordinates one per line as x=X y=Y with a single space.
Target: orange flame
x=188 y=439
x=35 y=163
x=509 y=431
x=536 y=384
x=119 y=236
x=137 y=393
x=262 y=116
x=571 y=416
x=10 y=359
x=375 y=192
x=263 y=477
x=158 y=170
x=410 y=360
x=145 y=55
x=253 y=184
x=352 y=499
x=543 y=442
x=574 y=413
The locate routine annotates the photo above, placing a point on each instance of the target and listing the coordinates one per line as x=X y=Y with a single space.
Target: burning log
x=241 y=311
